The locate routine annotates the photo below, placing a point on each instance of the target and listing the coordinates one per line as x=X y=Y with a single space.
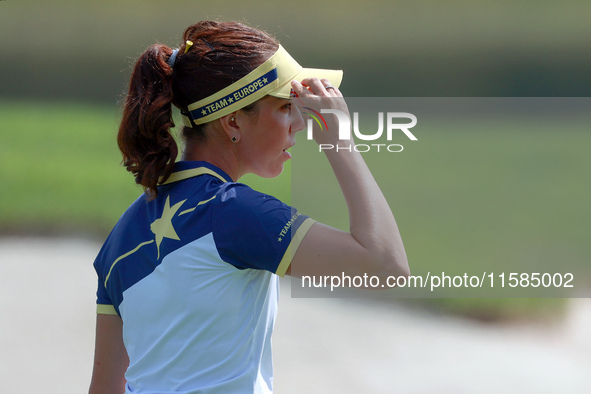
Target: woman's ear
x=230 y=127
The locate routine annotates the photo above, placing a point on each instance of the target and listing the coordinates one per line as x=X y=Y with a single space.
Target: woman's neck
x=214 y=152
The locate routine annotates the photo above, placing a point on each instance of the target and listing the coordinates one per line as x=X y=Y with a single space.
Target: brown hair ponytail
x=221 y=53
x=149 y=149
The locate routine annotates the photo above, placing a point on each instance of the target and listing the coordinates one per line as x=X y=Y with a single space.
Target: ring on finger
x=329 y=87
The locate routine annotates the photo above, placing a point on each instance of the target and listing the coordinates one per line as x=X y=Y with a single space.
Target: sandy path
x=321 y=345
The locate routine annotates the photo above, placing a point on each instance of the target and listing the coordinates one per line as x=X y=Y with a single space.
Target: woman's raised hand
x=314 y=95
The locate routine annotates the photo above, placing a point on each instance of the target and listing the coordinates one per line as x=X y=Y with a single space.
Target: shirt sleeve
x=104 y=306
x=255 y=230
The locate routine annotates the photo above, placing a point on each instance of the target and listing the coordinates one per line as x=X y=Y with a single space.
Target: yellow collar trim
x=185 y=174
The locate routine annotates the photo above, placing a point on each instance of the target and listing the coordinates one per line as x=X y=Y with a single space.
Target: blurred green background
x=65 y=66
x=83 y=51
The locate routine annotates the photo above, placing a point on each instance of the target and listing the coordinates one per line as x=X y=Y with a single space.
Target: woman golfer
x=188 y=278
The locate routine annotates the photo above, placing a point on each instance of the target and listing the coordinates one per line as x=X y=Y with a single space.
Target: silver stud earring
x=232 y=119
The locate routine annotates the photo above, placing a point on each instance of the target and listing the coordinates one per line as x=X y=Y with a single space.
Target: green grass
x=467 y=199
x=59 y=165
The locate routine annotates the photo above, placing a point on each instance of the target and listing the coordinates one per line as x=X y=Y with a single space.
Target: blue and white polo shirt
x=193 y=275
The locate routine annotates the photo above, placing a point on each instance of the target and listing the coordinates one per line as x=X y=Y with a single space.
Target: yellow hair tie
x=189 y=45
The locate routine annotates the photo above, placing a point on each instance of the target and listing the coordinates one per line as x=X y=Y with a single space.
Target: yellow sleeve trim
x=293 y=246
x=102 y=309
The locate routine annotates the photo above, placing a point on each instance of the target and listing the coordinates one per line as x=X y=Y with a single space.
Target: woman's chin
x=271 y=172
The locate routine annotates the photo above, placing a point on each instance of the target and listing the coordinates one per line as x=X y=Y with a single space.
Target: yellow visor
x=273 y=78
